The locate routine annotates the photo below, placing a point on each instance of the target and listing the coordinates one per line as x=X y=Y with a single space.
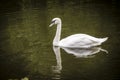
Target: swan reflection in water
x=78 y=52
x=84 y=52
x=57 y=69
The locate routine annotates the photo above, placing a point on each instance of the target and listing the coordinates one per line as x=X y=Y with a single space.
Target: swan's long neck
x=58 y=34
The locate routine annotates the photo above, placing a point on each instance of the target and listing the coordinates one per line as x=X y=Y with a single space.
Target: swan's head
x=55 y=21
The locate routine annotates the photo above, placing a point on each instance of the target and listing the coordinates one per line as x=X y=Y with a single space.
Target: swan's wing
x=79 y=40
x=83 y=41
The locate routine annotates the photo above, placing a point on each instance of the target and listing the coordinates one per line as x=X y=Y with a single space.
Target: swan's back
x=81 y=41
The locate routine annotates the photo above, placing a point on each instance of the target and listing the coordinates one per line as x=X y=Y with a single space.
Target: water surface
x=26 y=50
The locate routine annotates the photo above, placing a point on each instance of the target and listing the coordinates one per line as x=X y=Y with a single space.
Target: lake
x=26 y=50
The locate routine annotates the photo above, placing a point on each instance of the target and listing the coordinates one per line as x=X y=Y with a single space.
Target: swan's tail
x=103 y=39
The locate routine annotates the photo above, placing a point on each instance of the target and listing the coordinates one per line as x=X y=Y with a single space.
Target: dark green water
x=26 y=50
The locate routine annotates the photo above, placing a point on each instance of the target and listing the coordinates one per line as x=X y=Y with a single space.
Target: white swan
x=76 y=40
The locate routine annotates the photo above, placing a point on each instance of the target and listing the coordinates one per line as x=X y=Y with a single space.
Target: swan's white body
x=76 y=40
x=81 y=41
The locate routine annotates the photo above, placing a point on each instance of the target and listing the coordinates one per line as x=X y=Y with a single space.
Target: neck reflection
x=57 y=69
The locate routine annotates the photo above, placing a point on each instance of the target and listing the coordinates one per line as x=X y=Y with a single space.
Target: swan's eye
x=53 y=21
